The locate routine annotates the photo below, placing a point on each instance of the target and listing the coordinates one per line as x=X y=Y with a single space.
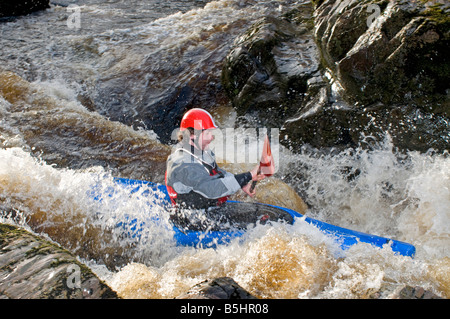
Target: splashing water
x=298 y=261
x=403 y=196
x=278 y=261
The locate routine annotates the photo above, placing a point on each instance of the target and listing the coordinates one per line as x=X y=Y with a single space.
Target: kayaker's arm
x=255 y=175
x=243 y=178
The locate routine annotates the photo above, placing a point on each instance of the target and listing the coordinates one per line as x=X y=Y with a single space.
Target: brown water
x=55 y=146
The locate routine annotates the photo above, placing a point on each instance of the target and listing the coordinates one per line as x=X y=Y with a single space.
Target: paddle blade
x=267 y=164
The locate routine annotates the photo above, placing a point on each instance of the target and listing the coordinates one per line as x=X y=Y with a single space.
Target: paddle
x=266 y=164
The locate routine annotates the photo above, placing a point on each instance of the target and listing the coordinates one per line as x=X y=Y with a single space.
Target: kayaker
x=193 y=178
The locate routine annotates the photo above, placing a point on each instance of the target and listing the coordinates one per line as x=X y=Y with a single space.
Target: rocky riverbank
x=332 y=73
x=10 y=8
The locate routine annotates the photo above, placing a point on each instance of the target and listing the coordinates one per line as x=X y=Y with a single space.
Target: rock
x=274 y=70
x=219 y=288
x=34 y=268
x=409 y=292
x=21 y=7
x=356 y=72
x=268 y=67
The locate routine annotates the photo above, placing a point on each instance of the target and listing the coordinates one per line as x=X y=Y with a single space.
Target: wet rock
x=268 y=67
x=388 y=61
x=409 y=292
x=389 y=52
x=382 y=67
x=21 y=7
x=219 y=288
x=34 y=268
x=274 y=71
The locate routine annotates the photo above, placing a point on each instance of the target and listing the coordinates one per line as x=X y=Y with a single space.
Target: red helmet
x=198 y=119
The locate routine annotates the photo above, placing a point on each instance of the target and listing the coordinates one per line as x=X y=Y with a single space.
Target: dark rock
x=219 y=288
x=21 y=7
x=331 y=126
x=274 y=71
x=400 y=58
x=409 y=292
x=267 y=70
x=34 y=268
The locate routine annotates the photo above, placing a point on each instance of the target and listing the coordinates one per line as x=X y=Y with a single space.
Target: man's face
x=205 y=138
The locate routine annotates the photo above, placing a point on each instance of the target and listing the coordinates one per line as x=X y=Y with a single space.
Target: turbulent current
x=67 y=126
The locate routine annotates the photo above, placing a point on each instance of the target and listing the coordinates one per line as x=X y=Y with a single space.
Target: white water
x=273 y=262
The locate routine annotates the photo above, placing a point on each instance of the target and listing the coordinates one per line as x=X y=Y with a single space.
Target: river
x=65 y=126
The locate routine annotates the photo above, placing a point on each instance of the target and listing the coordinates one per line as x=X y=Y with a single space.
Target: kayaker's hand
x=256 y=175
x=247 y=190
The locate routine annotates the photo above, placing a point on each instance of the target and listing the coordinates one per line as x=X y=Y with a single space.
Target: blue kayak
x=238 y=215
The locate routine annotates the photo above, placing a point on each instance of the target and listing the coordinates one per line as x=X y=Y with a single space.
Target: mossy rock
x=267 y=69
x=400 y=58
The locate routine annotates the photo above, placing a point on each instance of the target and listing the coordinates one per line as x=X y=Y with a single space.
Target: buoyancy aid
x=192 y=198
